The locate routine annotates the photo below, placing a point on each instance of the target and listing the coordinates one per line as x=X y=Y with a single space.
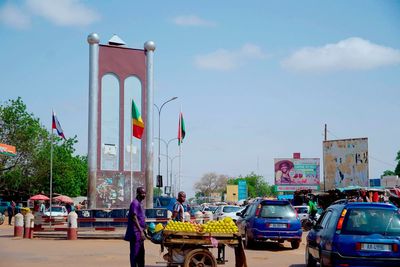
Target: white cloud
x=192 y=20
x=225 y=60
x=14 y=17
x=64 y=12
x=350 y=54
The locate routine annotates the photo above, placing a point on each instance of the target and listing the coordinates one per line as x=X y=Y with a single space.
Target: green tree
x=28 y=172
x=211 y=183
x=397 y=170
x=256 y=185
x=388 y=173
x=22 y=130
x=157 y=191
x=69 y=171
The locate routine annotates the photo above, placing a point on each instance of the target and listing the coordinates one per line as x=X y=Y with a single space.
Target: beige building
x=232 y=193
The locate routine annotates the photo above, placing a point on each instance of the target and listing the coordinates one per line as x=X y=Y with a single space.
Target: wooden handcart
x=190 y=249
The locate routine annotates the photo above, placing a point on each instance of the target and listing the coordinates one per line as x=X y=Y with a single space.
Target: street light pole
x=159 y=109
x=167 y=150
x=172 y=161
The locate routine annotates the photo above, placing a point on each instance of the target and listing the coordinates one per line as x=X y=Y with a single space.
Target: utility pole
x=325 y=139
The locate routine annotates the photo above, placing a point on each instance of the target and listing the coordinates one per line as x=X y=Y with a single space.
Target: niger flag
x=137 y=122
x=181 y=129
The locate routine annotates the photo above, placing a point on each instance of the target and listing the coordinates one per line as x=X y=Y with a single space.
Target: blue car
x=273 y=220
x=355 y=234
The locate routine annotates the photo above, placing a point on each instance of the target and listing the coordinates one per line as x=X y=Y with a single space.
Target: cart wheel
x=200 y=258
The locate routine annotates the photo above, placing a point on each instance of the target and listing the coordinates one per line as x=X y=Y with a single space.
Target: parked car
x=164 y=202
x=227 y=211
x=167 y=203
x=302 y=212
x=3 y=207
x=265 y=220
x=193 y=210
x=211 y=208
x=56 y=211
x=355 y=234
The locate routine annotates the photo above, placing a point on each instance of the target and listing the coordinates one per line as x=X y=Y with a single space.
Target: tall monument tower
x=118 y=162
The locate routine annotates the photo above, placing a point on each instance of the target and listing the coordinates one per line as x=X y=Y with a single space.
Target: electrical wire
x=369 y=155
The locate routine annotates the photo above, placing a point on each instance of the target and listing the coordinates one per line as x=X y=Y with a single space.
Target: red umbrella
x=65 y=199
x=39 y=197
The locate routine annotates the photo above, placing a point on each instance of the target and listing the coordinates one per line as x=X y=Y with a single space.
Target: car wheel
x=248 y=242
x=295 y=244
x=321 y=263
x=310 y=261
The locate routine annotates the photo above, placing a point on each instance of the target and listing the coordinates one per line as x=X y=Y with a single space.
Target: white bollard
x=72 y=233
x=29 y=224
x=19 y=225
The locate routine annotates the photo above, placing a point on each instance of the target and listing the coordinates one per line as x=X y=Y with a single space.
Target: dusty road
x=43 y=252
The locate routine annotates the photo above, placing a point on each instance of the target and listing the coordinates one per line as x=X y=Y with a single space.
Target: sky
x=255 y=81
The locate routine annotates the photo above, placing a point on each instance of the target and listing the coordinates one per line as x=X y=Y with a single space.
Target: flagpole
x=180 y=150
x=130 y=160
x=51 y=163
x=180 y=163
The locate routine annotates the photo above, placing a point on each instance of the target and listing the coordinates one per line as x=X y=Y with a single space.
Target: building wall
x=232 y=193
x=390 y=181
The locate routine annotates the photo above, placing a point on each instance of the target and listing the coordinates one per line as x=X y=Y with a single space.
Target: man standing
x=178 y=210
x=135 y=231
x=10 y=211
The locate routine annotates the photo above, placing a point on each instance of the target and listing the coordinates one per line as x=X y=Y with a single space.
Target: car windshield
x=277 y=211
x=372 y=221
x=56 y=209
x=231 y=209
x=195 y=209
x=211 y=208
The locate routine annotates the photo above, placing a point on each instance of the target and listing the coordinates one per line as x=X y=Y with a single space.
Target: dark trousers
x=10 y=218
x=137 y=253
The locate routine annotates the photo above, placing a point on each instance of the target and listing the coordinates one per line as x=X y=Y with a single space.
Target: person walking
x=178 y=210
x=135 y=232
x=10 y=211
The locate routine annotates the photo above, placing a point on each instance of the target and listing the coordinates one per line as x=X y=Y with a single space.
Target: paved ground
x=49 y=252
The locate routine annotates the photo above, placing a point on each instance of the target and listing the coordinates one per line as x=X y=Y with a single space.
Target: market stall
x=190 y=245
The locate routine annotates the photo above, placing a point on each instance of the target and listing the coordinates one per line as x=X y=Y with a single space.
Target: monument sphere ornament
x=150 y=46
x=93 y=38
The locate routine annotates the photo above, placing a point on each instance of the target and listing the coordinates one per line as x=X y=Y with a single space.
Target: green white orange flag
x=181 y=129
x=8 y=150
x=137 y=122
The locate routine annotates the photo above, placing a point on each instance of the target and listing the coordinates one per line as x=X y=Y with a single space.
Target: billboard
x=297 y=172
x=346 y=163
x=242 y=190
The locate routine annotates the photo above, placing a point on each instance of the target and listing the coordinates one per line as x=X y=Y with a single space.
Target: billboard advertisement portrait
x=346 y=163
x=297 y=171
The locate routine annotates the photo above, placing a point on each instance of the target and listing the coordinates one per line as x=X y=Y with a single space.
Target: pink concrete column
x=29 y=223
x=19 y=225
x=72 y=233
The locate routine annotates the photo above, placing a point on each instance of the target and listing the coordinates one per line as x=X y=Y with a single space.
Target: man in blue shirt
x=178 y=210
x=135 y=231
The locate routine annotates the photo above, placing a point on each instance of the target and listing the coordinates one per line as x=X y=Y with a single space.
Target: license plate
x=277 y=225
x=376 y=247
